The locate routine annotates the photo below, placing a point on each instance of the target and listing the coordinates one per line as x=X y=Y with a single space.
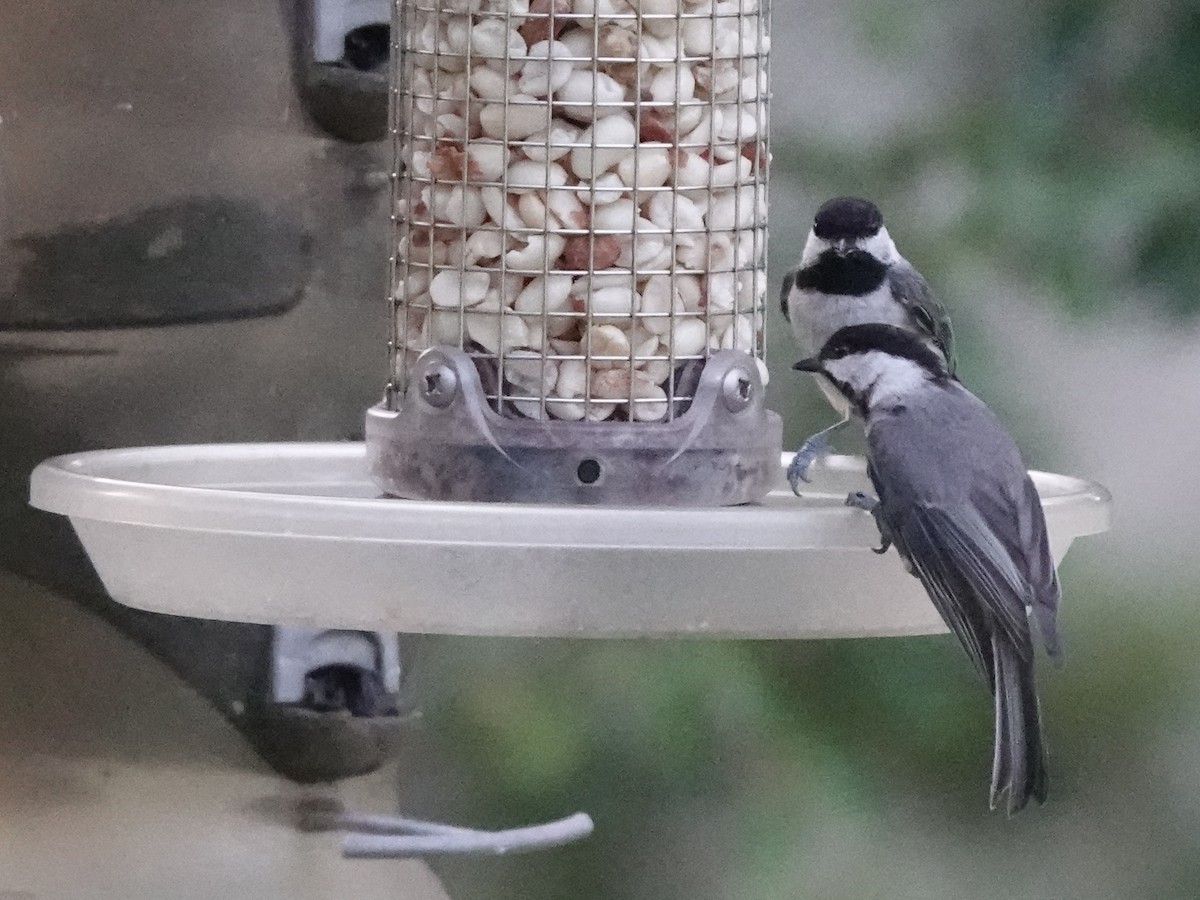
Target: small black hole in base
x=588 y=472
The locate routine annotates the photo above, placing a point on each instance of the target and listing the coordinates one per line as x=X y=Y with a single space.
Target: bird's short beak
x=841 y=248
x=812 y=364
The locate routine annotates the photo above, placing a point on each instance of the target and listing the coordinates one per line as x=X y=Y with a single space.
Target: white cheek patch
x=880 y=246
x=813 y=248
x=878 y=374
x=850 y=371
x=846 y=370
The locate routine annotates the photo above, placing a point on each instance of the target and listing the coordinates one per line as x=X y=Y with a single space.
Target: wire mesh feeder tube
x=580 y=212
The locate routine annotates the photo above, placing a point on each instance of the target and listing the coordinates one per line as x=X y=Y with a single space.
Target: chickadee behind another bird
x=850 y=273
x=956 y=501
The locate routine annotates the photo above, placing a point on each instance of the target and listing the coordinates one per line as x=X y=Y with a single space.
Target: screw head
x=737 y=390
x=438 y=385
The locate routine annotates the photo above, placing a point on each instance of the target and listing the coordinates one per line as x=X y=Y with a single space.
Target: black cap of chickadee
x=955 y=499
x=843 y=221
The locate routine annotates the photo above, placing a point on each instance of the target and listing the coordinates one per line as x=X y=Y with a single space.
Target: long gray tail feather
x=1019 y=761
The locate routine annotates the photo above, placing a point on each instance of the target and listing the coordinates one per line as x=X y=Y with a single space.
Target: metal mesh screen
x=580 y=197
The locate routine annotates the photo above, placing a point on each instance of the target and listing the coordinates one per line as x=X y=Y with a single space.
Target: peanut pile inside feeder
x=581 y=202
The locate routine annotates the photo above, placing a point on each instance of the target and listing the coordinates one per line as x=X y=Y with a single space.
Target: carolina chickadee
x=955 y=499
x=851 y=273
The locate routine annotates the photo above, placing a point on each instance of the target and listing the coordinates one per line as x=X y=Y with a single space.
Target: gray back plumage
x=947 y=472
x=930 y=318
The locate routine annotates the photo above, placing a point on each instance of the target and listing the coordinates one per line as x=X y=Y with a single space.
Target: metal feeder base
x=446 y=443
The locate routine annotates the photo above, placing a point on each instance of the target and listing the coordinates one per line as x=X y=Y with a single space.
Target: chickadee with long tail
x=956 y=501
x=850 y=273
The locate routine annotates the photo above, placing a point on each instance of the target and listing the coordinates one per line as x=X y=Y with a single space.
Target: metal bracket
x=444 y=442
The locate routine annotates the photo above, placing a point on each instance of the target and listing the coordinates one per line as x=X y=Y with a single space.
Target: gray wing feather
x=1043 y=578
x=911 y=289
x=972 y=549
x=970 y=578
x=1014 y=508
x=920 y=547
x=917 y=541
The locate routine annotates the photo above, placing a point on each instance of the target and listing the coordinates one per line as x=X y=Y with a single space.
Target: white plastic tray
x=295 y=533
